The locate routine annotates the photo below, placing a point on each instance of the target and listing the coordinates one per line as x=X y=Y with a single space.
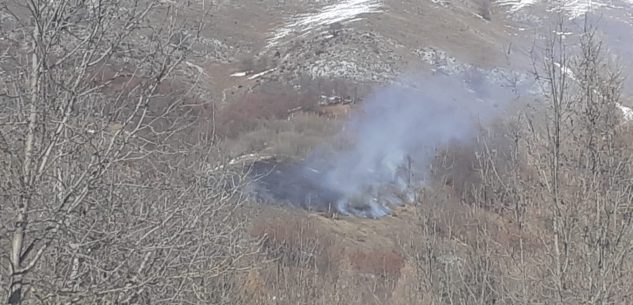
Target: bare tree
x=102 y=200
x=585 y=173
x=558 y=178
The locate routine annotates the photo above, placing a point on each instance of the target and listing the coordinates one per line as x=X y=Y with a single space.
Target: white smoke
x=400 y=126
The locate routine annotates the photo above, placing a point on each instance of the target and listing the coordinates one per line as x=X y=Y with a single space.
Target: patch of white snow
x=515 y=5
x=571 y=8
x=344 y=11
x=254 y=76
x=577 y=8
x=566 y=70
x=239 y=74
x=627 y=112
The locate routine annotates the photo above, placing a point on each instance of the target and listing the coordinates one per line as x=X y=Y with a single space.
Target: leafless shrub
x=101 y=203
x=583 y=177
x=557 y=177
x=378 y=262
x=297 y=242
x=250 y=110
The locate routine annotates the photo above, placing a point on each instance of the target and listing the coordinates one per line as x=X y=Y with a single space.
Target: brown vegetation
x=334 y=111
x=110 y=194
x=383 y=263
x=519 y=216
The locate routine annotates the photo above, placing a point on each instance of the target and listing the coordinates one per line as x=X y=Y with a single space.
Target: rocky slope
x=374 y=41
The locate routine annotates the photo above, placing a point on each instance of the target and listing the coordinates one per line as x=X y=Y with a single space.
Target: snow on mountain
x=515 y=5
x=343 y=11
x=577 y=8
x=571 y=8
x=627 y=112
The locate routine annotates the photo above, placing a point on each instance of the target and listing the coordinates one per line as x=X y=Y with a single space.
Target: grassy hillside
x=131 y=134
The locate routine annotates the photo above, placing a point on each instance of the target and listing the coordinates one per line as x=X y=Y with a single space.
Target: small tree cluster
x=561 y=173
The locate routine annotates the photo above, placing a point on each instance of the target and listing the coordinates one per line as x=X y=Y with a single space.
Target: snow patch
x=243 y=159
x=626 y=112
x=516 y=5
x=344 y=11
x=239 y=74
x=571 y=8
x=577 y=8
x=566 y=70
x=254 y=76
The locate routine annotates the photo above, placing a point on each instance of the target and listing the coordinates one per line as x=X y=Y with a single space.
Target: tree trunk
x=16 y=289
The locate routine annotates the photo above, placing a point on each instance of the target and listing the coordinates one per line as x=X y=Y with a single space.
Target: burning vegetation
x=391 y=141
x=276 y=181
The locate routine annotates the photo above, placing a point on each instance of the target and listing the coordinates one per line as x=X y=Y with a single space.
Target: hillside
x=316 y=152
x=375 y=41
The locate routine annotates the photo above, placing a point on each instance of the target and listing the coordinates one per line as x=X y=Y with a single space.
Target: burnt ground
x=292 y=183
x=276 y=181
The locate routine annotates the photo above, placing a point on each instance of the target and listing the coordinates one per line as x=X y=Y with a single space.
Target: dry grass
x=383 y=263
x=275 y=101
x=468 y=241
x=394 y=260
x=293 y=239
x=292 y=138
x=314 y=260
x=246 y=113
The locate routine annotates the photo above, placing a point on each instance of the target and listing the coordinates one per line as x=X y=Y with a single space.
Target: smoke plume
x=395 y=135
